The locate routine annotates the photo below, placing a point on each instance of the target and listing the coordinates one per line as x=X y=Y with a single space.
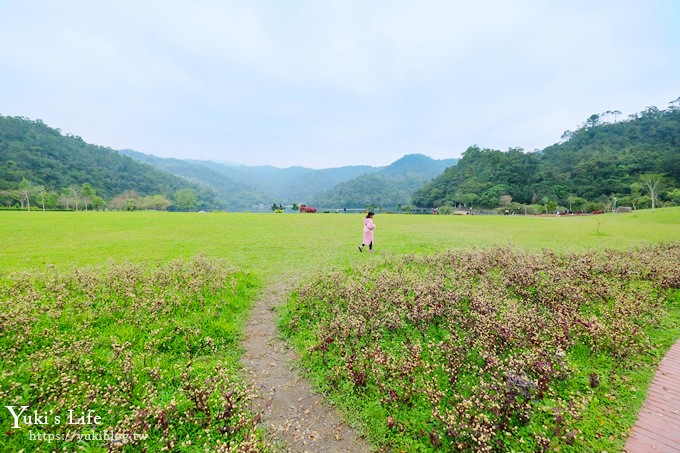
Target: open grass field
x=274 y=245
x=146 y=338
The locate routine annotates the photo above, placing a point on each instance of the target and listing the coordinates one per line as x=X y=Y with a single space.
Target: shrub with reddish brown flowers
x=484 y=350
x=149 y=351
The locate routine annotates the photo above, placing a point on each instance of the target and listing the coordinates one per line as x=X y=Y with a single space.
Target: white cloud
x=335 y=81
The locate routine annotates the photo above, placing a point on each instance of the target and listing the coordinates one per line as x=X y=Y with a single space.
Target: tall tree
x=41 y=190
x=156 y=202
x=186 y=200
x=25 y=191
x=652 y=182
x=88 y=193
x=75 y=192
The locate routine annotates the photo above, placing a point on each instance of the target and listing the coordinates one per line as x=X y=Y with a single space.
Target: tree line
x=83 y=198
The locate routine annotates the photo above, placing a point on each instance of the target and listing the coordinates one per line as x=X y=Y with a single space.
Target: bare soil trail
x=297 y=419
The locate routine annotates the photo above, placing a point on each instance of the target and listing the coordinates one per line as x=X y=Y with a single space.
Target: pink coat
x=369 y=226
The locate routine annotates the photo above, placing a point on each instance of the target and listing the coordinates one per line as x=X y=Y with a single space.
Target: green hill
x=387 y=188
x=599 y=164
x=37 y=161
x=37 y=158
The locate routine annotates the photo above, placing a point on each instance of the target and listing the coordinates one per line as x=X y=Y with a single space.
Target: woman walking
x=369 y=226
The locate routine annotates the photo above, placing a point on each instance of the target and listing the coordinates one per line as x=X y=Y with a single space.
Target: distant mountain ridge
x=244 y=187
x=292 y=184
x=387 y=188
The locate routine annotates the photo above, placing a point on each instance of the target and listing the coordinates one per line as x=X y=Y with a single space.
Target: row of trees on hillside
x=82 y=198
x=633 y=163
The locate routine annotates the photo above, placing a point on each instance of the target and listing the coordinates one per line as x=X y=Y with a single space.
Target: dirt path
x=297 y=419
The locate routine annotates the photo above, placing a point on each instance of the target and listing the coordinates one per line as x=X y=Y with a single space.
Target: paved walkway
x=658 y=425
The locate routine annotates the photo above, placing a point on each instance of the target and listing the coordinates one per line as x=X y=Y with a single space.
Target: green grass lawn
x=282 y=245
x=86 y=247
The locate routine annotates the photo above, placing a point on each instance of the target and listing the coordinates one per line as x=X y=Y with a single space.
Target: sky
x=328 y=83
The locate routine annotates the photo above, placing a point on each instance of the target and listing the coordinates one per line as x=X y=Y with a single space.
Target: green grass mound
x=491 y=350
x=126 y=357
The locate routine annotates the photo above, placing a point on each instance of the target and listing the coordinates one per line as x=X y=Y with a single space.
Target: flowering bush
x=308 y=209
x=148 y=351
x=488 y=350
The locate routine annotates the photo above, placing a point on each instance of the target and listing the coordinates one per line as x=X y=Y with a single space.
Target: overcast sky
x=329 y=83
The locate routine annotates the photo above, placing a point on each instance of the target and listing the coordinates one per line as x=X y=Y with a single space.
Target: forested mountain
x=298 y=184
x=343 y=187
x=36 y=156
x=350 y=186
x=243 y=187
x=233 y=193
x=599 y=162
x=389 y=187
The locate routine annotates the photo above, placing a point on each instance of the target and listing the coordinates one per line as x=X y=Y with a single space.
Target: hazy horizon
x=330 y=84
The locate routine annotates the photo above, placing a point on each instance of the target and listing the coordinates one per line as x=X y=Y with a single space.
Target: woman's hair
x=370 y=213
